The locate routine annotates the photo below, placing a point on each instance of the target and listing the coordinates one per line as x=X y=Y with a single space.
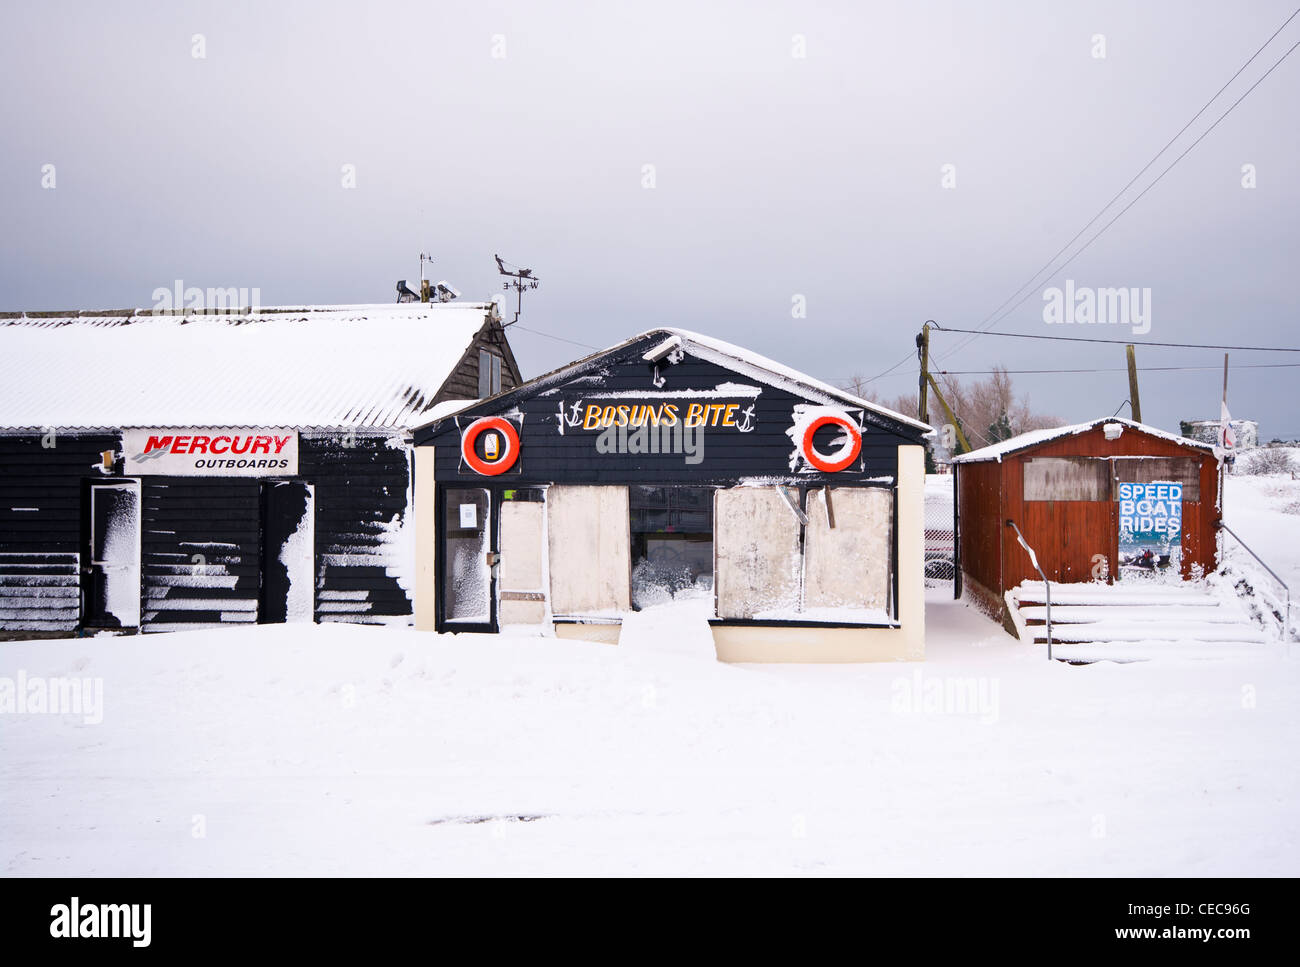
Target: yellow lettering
x=729 y=414
x=592 y=419
x=695 y=414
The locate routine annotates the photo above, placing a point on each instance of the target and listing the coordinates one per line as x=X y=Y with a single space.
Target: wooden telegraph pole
x=1135 y=404
x=923 y=344
x=927 y=383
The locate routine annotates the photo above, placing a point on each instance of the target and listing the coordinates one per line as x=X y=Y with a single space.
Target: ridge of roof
x=1030 y=438
x=363 y=366
x=777 y=374
x=248 y=313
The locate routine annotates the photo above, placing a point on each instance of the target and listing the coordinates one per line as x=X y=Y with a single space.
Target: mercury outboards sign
x=211 y=452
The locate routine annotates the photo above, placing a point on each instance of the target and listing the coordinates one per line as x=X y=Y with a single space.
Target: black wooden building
x=672 y=462
x=173 y=471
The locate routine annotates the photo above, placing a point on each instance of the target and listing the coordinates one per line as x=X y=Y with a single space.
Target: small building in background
x=1246 y=432
x=672 y=464
x=175 y=471
x=1096 y=501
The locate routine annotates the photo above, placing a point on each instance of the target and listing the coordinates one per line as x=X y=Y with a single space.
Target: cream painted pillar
x=911 y=549
x=426 y=540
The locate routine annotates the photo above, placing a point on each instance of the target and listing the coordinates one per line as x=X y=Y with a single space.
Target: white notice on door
x=468 y=515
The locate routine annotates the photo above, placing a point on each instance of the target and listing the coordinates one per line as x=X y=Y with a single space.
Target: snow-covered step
x=1134 y=621
x=1123 y=651
x=1171 y=631
x=1081 y=614
x=1090 y=594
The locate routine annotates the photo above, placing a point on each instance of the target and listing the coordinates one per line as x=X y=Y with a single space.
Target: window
x=1182 y=470
x=1066 y=478
x=672 y=542
x=489 y=373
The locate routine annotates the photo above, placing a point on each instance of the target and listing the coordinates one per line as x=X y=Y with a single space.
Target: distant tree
x=991 y=403
x=1000 y=429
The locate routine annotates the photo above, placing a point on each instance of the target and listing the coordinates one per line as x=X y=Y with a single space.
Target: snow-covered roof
x=330 y=366
x=1034 y=437
x=727 y=354
x=732 y=357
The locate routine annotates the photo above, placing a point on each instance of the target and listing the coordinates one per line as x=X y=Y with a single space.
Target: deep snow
x=303 y=749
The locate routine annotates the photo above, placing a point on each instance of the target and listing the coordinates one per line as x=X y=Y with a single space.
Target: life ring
x=847 y=454
x=502 y=463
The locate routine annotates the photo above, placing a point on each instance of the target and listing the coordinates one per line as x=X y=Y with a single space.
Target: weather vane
x=517 y=279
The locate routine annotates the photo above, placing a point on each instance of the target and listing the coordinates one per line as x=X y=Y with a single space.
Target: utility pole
x=927 y=383
x=1224 y=429
x=1135 y=404
x=923 y=344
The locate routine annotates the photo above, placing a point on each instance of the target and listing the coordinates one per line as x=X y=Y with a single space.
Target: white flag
x=1227 y=439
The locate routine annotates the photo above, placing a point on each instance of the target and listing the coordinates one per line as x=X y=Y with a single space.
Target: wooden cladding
x=1062 y=495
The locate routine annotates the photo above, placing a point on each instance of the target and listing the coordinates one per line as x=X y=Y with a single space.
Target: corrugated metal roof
x=362 y=366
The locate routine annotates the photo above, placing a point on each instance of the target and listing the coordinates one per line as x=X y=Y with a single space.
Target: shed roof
x=1033 y=438
x=378 y=366
x=725 y=354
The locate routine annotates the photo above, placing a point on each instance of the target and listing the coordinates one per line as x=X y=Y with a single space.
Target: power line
x=538 y=332
x=1031 y=281
x=1217 y=368
x=1117 y=369
x=1126 y=342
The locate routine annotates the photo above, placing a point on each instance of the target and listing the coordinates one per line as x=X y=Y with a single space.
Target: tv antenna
x=517 y=279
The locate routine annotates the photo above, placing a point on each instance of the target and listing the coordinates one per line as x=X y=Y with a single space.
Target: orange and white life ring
x=847 y=453
x=510 y=446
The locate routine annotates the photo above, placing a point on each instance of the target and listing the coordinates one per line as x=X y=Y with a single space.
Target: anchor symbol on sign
x=574 y=417
x=747 y=423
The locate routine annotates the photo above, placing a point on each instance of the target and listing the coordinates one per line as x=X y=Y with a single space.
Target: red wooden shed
x=1062 y=488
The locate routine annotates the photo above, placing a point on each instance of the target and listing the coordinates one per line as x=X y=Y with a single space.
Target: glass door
x=468 y=559
x=112 y=597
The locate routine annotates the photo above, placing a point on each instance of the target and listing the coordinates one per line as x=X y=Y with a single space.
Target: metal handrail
x=1033 y=559
x=1286 y=590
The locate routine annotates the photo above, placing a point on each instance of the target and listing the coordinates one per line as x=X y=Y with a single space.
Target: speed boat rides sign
x=1150 y=525
x=211 y=452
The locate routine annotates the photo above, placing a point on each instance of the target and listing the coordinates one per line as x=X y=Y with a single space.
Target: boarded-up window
x=522 y=591
x=590 y=552
x=1182 y=470
x=756 y=554
x=847 y=566
x=1066 y=478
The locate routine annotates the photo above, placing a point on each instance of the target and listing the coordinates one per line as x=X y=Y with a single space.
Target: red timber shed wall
x=1067 y=534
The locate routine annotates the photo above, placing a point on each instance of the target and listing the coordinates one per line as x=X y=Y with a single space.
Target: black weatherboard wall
x=360 y=480
x=547 y=456
x=202 y=554
x=41 y=525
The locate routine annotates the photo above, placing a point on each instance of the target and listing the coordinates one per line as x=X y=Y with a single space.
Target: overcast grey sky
x=774 y=175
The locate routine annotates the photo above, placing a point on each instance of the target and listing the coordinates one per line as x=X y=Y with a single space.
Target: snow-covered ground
x=301 y=749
